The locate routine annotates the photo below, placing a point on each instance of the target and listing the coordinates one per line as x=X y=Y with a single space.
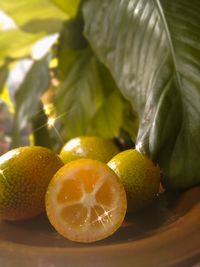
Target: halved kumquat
x=85 y=201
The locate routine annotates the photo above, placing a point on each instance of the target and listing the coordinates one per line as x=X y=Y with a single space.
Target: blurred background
x=52 y=85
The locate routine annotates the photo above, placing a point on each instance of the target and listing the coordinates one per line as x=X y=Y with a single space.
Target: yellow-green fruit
x=88 y=147
x=25 y=173
x=139 y=175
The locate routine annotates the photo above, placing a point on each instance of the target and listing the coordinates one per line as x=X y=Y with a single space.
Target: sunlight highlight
x=138 y=146
x=42 y=46
x=51 y=125
x=6 y=23
x=9 y=155
x=99 y=218
x=3 y=175
x=51 y=122
x=48 y=109
x=103 y=218
x=73 y=143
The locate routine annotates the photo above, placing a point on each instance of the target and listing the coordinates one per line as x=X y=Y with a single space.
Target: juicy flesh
x=87 y=199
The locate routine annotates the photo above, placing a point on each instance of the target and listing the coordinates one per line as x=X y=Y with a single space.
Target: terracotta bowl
x=165 y=234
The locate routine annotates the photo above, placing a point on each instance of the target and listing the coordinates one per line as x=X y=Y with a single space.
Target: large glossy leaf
x=152 y=49
x=35 y=15
x=28 y=96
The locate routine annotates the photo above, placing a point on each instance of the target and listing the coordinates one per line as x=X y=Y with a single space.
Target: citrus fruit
x=85 y=201
x=89 y=147
x=139 y=175
x=24 y=176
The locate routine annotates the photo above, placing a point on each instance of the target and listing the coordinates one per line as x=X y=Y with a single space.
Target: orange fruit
x=25 y=173
x=139 y=175
x=85 y=201
x=92 y=147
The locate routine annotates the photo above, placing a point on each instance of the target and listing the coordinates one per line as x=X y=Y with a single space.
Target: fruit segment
x=86 y=201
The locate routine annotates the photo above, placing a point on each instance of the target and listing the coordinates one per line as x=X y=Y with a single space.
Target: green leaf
x=3 y=77
x=34 y=15
x=88 y=101
x=81 y=95
x=16 y=43
x=107 y=121
x=5 y=97
x=77 y=63
x=69 y=6
x=152 y=49
x=70 y=45
x=28 y=96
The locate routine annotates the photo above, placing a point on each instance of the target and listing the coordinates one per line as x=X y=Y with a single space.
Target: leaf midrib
x=171 y=46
